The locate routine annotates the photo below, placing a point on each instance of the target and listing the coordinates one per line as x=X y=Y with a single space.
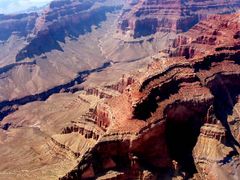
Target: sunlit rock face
x=146 y=17
x=179 y=118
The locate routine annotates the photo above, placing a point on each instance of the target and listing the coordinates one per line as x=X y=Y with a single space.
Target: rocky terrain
x=29 y=66
x=180 y=118
x=146 y=17
x=95 y=103
x=43 y=140
x=81 y=38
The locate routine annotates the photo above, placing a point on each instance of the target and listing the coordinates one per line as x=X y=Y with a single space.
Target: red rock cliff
x=146 y=17
x=180 y=118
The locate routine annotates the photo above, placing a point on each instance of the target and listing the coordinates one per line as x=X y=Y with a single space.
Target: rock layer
x=63 y=19
x=30 y=66
x=59 y=20
x=20 y=25
x=146 y=17
x=174 y=120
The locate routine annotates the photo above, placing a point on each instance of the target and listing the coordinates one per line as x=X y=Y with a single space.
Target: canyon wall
x=30 y=66
x=146 y=17
x=178 y=119
x=63 y=19
x=21 y=25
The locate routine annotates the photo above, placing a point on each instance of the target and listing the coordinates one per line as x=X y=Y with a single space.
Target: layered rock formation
x=212 y=149
x=81 y=36
x=179 y=119
x=29 y=65
x=44 y=140
x=21 y=25
x=60 y=20
x=63 y=19
x=146 y=17
x=54 y=134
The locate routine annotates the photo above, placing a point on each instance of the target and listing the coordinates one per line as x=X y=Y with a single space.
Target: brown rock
x=176 y=112
x=146 y=17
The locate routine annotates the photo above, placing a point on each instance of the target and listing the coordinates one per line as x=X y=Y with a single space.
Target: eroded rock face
x=50 y=136
x=178 y=119
x=21 y=25
x=146 y=17
x=60 y=20
x=212 y=150
x=35 y=46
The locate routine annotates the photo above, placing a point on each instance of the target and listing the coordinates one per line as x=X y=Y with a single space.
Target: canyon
x=34 y=66
x=180 y=117
x=146 y=17
x=89 y=92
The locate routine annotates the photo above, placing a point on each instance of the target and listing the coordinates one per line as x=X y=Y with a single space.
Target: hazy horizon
x=12 y=6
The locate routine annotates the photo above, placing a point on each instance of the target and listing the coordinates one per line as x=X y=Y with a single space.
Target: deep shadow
x=145 y=27
x=184 y=25
x=149 y=105
x=183 y=125
x=206 y=64
x=226 y=90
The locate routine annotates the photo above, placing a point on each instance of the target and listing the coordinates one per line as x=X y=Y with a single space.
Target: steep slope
x=64 y=19
x=20 y=24
x=46 y=50
x=146 y=17
x=177 y=120
x=13 y=30
x=44 y=140
x=61 y=48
